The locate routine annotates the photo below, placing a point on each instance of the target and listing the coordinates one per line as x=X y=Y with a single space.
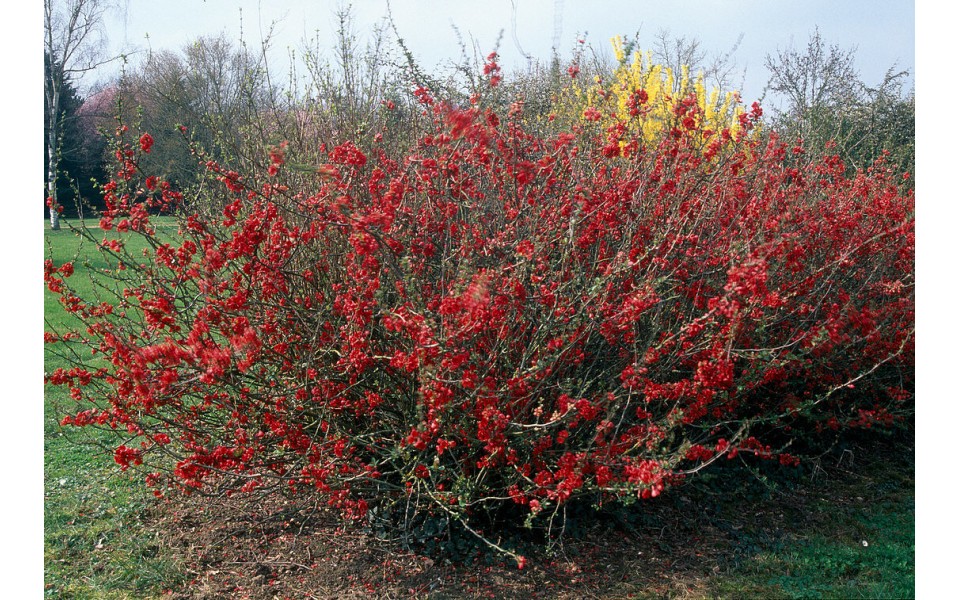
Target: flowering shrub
x=647 y=99
x=498 y=319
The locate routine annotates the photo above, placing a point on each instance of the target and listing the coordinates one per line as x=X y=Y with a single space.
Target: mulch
x=289 y=548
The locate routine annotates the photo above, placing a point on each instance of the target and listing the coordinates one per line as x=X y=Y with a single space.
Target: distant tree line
x=220 y=96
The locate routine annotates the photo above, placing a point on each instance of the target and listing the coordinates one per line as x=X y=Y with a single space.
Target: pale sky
x=881 y=30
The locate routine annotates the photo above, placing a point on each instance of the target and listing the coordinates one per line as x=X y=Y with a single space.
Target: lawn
x=840 y=526
x=96 y=541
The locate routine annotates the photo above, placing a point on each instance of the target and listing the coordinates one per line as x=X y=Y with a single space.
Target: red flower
x=492 y=69
x=146 y=142
x=591 y=114
x=125 y=457
x=525 y=249
x=278 y=154
x=423 y=96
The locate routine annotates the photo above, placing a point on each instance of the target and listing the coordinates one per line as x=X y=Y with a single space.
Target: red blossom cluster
x=492 y=70
x=499 y=316
x=146 y=142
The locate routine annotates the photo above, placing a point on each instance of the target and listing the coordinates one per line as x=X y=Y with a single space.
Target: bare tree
x=818 y=79
x=73 y=42
x=218 y=89
x=829 y=108
x=718 y=70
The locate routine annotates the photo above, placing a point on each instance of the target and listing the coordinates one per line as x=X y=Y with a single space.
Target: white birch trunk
x=52 y=150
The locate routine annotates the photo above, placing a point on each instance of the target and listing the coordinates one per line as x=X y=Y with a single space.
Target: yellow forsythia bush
x=641 y=100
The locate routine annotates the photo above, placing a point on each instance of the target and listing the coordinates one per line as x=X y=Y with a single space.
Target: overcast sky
x=881 y=30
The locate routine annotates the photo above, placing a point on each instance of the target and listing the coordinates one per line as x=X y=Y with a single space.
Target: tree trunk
x=52 y=150
x=54 y=214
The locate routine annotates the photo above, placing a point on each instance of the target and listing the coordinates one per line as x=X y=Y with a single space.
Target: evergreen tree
x=80 y=154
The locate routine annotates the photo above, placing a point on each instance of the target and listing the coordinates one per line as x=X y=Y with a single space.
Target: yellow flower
x=642 y=96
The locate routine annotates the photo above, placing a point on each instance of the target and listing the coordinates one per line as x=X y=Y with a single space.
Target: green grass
x=855 y=538
x=831 y=564
x=95 y=545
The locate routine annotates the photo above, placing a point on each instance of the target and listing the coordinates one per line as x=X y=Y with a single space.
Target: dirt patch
x=669 y=548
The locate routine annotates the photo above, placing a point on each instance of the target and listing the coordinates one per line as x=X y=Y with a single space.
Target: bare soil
x=680 y=542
